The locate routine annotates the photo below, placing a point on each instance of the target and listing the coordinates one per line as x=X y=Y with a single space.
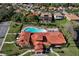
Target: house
x=46 y=17
x=72 y=17
x=52 y=8
x=58 y=16
x=41 y=40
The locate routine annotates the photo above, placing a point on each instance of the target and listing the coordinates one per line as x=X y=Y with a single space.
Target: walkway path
x=26 y=52
x=2 y=54
x=54 y=52
x=13 y=33
x=10 y=42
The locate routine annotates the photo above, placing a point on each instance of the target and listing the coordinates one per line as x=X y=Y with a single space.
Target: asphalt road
x=3 y=30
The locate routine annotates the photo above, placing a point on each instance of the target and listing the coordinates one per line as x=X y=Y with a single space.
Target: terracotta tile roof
x=37 y=39
x=23 y=38
x=37 y=43
x=72 y=17
x=38 y=48
x=55 y=38
x=24 y=35
x=52 y=38
x=37 y=36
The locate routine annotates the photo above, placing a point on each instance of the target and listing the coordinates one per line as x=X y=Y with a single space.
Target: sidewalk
x=26 y=52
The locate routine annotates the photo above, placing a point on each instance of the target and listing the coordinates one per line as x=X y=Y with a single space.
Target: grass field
x=12 y=50
x=10 y=37
x=51 y=54
x=72 y=49
x=15 y=28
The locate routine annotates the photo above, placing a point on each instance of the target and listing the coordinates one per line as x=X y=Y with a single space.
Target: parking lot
x=3 y=30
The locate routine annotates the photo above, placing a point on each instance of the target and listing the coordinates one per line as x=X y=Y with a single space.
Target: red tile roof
x=38 y=48
x=72 y=17
x=55 y=38
x=37 y=39
x=37 y=43
x=52 y=37
x=37 y=36
x=23 y=38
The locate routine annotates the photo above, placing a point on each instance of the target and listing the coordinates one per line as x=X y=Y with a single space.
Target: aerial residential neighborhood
x=40 y=29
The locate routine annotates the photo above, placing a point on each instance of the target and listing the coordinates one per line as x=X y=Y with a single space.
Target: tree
x=5 y=14
x=36 y=18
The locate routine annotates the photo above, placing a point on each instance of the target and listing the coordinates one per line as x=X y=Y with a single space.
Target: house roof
x=37 y=36
x=46 y=13
x=58 y=14
x=23 y=38
x=38 y=48
x=52 y=38
x=24 y=35
x=37 y=43
x=52 y=8
x=55 y=38
x=72 y=16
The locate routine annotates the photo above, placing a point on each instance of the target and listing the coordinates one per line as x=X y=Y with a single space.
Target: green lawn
x=51 y=54
x=73 y=11
x=10 y=37
x=15 y=28
x=70 y=51
x=12 y=50
x=62 y=22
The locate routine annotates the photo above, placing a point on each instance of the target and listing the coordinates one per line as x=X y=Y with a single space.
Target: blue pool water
x=34 y=29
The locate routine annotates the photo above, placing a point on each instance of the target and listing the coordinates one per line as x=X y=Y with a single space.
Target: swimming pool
x=34 y=29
